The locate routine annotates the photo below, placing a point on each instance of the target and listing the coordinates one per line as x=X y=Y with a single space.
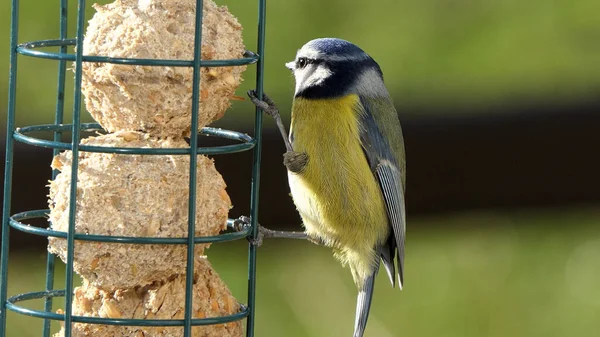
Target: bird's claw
x=266 y=104
x=295 y=161
x=243 y=223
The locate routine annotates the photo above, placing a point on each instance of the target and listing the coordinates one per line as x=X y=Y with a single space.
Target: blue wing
x=384 y=149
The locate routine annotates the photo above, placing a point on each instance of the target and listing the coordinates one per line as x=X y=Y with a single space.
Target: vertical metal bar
x=8 y=164
x=76 y=130
x=58 y=119
x=189 y=277
x=256 y=169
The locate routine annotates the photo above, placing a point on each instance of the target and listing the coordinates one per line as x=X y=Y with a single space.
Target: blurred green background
x=436 y=55
x=531 y=274
x=475 y=272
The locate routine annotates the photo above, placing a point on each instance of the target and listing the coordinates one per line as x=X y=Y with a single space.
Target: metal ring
x=15 y=222
x=20 y=135
x=244 y=312
x=28 y=49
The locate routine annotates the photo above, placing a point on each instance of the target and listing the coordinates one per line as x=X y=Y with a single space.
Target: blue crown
x=333 y=46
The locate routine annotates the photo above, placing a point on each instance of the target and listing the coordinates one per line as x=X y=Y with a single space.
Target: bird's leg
x=243 y=222
x=267 y=105
x=294 y=161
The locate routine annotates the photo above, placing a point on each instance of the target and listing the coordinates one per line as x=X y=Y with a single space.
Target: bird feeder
x=133 y=208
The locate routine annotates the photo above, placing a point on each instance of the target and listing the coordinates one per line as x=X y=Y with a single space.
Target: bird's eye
x=301 y=63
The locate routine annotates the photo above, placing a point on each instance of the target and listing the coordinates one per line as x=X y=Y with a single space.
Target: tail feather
x=401 y=266
x=387 y=256
x=363 y=303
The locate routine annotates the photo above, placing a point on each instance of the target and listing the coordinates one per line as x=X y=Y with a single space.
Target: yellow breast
x=337 y=195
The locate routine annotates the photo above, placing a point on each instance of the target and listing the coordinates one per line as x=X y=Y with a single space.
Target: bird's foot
x=243 y=223
x=295 y=161
x=266 y=104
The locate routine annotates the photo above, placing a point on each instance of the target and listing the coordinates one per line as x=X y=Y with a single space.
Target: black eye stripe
x=304 y=61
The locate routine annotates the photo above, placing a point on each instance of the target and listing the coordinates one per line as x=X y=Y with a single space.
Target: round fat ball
x=134 y=196
x=159 y=300
x=158 y=100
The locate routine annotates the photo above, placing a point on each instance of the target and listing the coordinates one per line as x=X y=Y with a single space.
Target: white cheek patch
x=320 y=74
x=300 y=75
x=311 y=76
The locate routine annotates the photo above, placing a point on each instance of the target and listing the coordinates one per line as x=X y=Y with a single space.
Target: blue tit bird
x=346 y=162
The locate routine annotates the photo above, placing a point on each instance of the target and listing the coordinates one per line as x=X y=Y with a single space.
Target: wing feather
x=391 y=187
x=387 y=164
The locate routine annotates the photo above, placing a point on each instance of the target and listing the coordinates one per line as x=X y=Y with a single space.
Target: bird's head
x=330 y=67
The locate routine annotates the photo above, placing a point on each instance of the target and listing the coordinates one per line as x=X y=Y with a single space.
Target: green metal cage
x=26 y=135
